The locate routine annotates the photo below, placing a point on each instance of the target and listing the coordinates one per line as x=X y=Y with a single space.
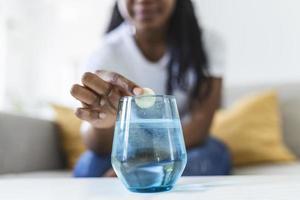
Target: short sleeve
x=99 y=59
x=215 y=49
x=110 y=56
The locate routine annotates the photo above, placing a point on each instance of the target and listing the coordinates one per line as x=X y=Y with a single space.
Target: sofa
x=30 y=148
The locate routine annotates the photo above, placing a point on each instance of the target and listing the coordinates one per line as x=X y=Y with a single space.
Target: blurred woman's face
x=147 y=14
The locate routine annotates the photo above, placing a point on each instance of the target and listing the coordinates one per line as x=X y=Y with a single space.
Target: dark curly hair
x=186 y=49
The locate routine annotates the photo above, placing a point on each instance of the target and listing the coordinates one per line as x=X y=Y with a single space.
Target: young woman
x=156 y=44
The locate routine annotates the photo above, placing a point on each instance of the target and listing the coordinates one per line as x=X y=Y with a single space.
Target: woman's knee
x=91 y=164
x=211 y=158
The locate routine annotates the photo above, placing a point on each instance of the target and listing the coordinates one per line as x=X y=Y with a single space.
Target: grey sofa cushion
x=289 y=97
x=28 y=144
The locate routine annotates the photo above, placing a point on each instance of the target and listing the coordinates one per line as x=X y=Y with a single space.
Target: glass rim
x=143 y=96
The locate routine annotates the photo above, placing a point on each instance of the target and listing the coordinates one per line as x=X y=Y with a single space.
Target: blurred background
x=43 y=44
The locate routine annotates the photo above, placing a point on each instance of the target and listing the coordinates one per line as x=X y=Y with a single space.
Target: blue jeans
x=211 y=158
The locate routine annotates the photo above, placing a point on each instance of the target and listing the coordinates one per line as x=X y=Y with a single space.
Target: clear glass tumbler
x=148 y=152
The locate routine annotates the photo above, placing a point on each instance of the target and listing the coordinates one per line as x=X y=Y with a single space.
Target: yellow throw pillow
x=71 y=140
x=252 y=130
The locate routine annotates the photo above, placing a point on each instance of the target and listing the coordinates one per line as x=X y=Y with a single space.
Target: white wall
x=262 y=38
x=2 y=53
x=46 y=42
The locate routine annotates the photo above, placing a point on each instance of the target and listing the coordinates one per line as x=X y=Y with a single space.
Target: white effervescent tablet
x=144 y=101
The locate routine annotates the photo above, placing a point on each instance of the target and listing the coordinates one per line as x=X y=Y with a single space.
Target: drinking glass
x=148 y=153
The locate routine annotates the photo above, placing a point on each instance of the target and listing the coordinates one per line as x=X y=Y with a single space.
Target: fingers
x=87 y=114
x=103 y=89
x=127 y=86
x=84 y=95
x=96 y=84
x=90 y=98
x=103 y=118
x=95 y=118
x=113 y=98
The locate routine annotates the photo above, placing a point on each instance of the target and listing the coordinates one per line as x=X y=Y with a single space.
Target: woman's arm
x=197 y=128
x=99 y=140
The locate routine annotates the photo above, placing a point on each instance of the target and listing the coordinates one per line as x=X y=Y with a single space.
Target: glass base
x=151 y=189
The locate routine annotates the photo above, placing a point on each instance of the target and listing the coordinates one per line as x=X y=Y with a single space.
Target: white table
x=200 y=188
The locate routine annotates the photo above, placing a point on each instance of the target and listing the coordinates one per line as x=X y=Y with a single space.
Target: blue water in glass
x=149 y=154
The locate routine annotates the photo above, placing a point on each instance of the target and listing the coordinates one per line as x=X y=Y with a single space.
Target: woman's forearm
x=99 y=140
x=196 y=130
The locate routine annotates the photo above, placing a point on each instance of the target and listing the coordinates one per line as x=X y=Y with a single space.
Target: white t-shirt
x=119 y=52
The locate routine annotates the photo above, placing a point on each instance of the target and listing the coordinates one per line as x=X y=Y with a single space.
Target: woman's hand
x=100 y=96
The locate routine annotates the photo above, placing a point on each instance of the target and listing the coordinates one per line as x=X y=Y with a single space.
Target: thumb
x=128 y=87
